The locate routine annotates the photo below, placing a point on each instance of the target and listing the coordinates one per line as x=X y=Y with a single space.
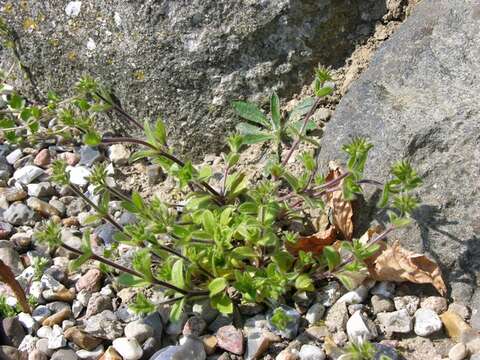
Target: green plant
x=224 y=240
x=363 y=351
x=7 y=310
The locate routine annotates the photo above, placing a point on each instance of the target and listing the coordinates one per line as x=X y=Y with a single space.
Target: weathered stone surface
x=187 y=60
x=418 y=100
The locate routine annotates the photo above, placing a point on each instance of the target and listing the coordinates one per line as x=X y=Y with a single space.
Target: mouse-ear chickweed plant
x=231 y=238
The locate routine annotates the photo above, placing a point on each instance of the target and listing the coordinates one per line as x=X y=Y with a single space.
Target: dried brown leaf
x=7 y=276
x=342 y=209
x=397 y=264
x=313 y=243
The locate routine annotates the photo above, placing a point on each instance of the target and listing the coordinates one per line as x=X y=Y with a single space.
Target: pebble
x=28 y=343
x=356 y=296
x=91 y=355
x=454 y=325
x=89 y=155
x=57 y=318
x=129 y=349
x=13 y=194
x=44 y=332
x=311 y=352
x=195 y=325
x=12 y=332
x=43 y=158
x=458 y=352
x=396 y=322
x=14 y=156
x=9 y=353
x=37 y=355
x=460 y=309
x=315 y=313
x=43 y=189
x=79 y=175
x=435 y=303
x=98 y=303
x=329 y=294
x=40 y=313
x=18 y=214
x=82 y=339
x=209 y=343
x=360 y=329
x=337 y=317
x=104 y=325
x=384 y=288
x=231 y=339
x=56 y=340
x=258 y=343
x=11 y=258
x=190 y=348
x=118 y=154
x=381 y=304
x=409 y=303
x=28 y=322
x=205 y=310
x=475 y=319
x=111 y=354
x=27 y=174
x=64 y=354
x=138 y=330
x=91 y=281
x=427 y=322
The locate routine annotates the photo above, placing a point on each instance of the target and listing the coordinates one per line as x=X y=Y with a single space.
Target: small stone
x=28 y=343
x=396 y=322
x=455 y=326
x=381 y=304
x=311 y=352
x=83 y=297
x=231 y=339
x=64 y=354
x=98 y=303
x=57 y=318
x=427 y=322
x=91 y=281
x=190 y=348
x=65 y=295
x=40 y=190
x=73 y=8
x=220 y=320
x=56 y=340
x=89 y=155
x=42 y=346
x=460 y=309
x=28 y=322
x=154 y=174
x=205 y=310
x=139 y=331
x=385 y=289
x=250 y=309
x=111 y=354
x=14 y=156
x=195 y=325
x=37 y=355
x=288 y=354
x=91 y=355
x=79 y=175
x=356 y=296
x=435 y=303
x=11 y=258
x=315 y=313
x=458 y=352
x=43 y=158
x=71 y=159
x=257 y=344
x=18 y=214
x=27 y=174
x=129 y=349
x=82 y=339
x=5 y=230
x=359 y=329
x=118 y=154
x=329 y=294
x=317 y=333
x=337 y=317
x=409 y=303
x=13 y=194
x=104 y=325
x=9 y=353
x=209 y=343
x=154 y=320
x=40 y=313
x=150 y=346
x=44 y=332
x=11 y=332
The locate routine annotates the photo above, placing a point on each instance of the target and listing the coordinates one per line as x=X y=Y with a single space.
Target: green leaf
x=332 y=256
x=250 y=112
x=280 y=319
x=131 y=281
x=92 y=138
x=250 y=139
x=177 y=309
x=160 y=132
x=142 y=305
x=7 y=123
x=142 y=262
x=275 y=110
x=33 y=126
x=16 y=101
x=208 y=222
x=137 y=201
x=323 y=91
x=222 y=303
x=178 y=277
x=302 y=108
x=244 y=252
x=205 y=173
x=304 y=282
x=284 y=260
x=217 y=286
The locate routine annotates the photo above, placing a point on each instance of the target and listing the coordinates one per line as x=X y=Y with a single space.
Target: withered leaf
x=397 y=264
x=313 y=243
x=342 y=209
x=7 y=276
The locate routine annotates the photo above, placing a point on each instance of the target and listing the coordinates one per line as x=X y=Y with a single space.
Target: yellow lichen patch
x=72 y=56
x=29 y=24
x=54 y=42
x=139 y=75
x=24 y=5
x=8 y=8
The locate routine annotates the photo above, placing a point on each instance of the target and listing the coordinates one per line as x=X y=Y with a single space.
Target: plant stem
x=131 y=272
x=304 y=126
x=117 y=108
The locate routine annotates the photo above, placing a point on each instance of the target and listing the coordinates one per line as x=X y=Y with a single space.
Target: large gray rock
x=187 y=60
x=418 y=100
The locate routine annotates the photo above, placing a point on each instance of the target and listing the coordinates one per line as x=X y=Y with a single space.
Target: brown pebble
x=57 y=318
x=43 y=158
